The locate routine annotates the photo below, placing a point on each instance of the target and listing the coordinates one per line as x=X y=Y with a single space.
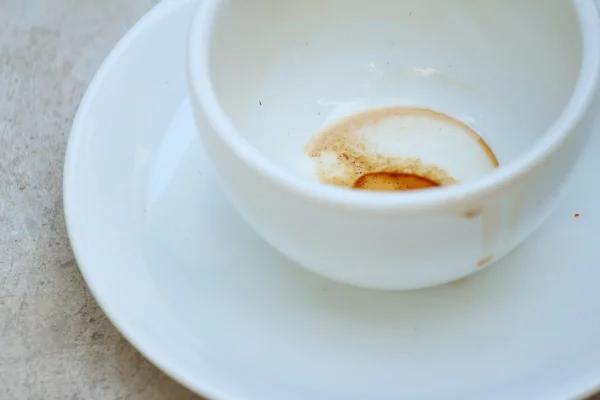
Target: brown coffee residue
x=484 y=260
x=459 y=282
x=393 y=181
x=358 y=164
x=472 y=213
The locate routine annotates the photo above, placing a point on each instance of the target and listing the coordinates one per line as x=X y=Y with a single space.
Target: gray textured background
x=55 y=343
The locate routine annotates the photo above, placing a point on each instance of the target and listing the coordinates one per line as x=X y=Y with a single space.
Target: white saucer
x=192 y=287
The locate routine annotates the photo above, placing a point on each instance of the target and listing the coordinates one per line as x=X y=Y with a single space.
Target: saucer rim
x=76 y=136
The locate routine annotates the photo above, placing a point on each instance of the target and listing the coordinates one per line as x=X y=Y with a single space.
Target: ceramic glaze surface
x=508 y=71
x=505 y=68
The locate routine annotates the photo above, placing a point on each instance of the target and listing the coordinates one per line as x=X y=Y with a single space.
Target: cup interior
x=414 y=79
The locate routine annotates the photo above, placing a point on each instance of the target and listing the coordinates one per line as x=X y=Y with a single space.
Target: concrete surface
x=55 y=343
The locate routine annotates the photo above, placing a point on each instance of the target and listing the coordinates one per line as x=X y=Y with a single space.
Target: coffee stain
x=472 y=213
x=393 y=181
x=490 y=223
x=359 y=164
x=484 y=260
x=459 y=281
x=500 y=226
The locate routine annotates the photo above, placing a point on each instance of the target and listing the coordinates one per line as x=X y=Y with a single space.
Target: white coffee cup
x=291 y=97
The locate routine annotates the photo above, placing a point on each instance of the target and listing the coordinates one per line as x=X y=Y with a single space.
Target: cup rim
x=199 y=79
